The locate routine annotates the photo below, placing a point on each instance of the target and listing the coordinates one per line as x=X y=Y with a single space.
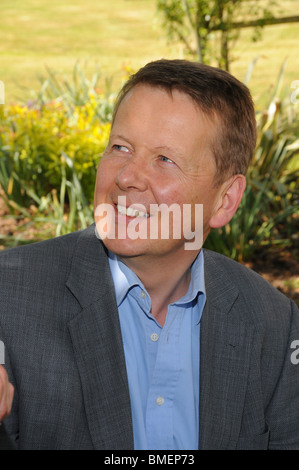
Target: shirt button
x=143 y=294
x=154 y=337
x=160 y=401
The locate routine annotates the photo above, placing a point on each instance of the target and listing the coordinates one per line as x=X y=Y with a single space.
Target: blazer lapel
x=226 y=341
x=98 y=349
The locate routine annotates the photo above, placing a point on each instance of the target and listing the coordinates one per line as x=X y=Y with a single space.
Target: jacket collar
x=89 y=278
x=226 y=339
x=98 y=349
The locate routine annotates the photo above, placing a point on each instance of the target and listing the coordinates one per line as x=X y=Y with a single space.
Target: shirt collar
x=124 y=279
x=197 y=282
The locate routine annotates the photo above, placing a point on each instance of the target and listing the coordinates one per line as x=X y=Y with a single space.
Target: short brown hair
x=220 y=96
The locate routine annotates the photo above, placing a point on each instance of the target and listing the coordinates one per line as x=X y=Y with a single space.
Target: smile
x=131 y=212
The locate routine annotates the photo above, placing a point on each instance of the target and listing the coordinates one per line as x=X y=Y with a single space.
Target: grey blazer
x=5 y=442
x=64 y=354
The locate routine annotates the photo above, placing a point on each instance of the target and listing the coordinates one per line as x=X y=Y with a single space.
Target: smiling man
x=118 y=341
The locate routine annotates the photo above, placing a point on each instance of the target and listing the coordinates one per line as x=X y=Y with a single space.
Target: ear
x=231 y=194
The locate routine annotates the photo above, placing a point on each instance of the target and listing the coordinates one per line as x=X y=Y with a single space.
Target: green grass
x=279 y=43
x=115 y=34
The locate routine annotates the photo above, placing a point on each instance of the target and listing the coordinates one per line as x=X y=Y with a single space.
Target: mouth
x=131 y=211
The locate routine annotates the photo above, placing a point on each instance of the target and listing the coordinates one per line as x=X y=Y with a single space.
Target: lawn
x=36 y=33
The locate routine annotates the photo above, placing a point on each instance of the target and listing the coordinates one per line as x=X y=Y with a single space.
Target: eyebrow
x=118 y=136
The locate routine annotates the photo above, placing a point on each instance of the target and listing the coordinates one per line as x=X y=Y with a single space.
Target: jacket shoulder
x=38 y=265
x=255 y=295
x=46 y=246
x=242 y=276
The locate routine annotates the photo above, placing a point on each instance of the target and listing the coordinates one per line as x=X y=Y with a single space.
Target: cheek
x=105 y=177
x=168 y=190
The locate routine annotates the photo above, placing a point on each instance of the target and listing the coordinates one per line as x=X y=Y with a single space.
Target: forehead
x=169 y=111
x=145 y=91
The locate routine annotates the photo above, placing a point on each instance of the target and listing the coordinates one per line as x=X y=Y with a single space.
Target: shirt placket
x=159 y=412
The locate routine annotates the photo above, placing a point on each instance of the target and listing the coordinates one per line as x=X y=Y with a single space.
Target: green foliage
x=77 y=91
x=50 y=148
x=208 y=29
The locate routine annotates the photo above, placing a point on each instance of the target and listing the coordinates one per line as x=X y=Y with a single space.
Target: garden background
x=62 y=63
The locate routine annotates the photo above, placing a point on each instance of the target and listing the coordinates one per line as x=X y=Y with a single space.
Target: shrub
x=35 y=143
x=49 y=151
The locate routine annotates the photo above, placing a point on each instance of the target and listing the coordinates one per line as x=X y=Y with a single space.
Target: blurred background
x=61 y=66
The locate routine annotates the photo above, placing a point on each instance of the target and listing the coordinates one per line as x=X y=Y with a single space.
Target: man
x=118 y=341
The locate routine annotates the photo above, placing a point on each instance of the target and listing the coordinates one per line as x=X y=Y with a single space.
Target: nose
x=133 y=175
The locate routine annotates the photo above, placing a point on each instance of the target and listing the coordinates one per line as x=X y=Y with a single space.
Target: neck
x=166 y=281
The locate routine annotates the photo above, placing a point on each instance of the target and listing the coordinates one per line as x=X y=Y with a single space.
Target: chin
x=124 y=248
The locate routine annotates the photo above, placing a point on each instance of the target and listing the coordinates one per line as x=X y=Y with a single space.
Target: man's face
x=158 y=153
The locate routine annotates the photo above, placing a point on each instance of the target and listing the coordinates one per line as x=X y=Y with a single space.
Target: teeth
x=131 y=212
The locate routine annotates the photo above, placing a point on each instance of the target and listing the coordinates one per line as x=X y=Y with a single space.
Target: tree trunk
x=224 y=50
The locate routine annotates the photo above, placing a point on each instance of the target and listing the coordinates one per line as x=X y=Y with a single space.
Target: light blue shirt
x=162 y=363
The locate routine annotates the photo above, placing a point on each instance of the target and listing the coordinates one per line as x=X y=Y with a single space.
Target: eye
x=165 y=159
x=120 y=148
